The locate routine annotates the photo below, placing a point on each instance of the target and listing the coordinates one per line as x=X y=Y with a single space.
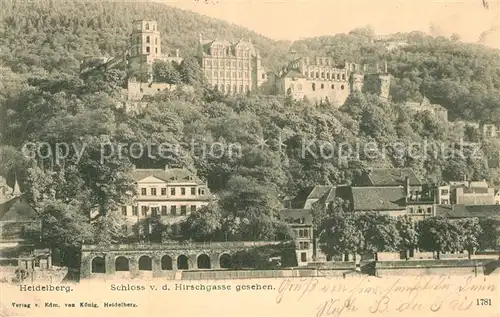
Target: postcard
x=249 y=158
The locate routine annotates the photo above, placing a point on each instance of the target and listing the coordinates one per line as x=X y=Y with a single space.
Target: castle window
x=313 y=86
x=322 y=86
x=343 y=76
x=156 y=41
x=342 y=87
x=147 y=26
x=338 y=76
x=156 y=50
x=317 y=74
x=333 y=86
x=322 y=75
x=147 y=39
x=147 y=49
x=327 y=75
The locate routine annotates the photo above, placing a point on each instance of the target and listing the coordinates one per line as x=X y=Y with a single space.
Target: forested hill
x=51 y=35
x=55 y=35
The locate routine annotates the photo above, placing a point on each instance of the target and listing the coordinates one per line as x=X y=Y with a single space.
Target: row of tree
x=342 y=232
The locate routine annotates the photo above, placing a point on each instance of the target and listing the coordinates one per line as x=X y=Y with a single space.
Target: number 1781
x=483 y=302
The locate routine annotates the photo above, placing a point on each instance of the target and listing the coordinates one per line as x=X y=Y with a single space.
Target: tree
x=438 y=234
x=190 y=71
x=379 y=231
x=470 y=230
x=489 y=238
x=338 y=232
x=204 y=224
x=166 y=72
x=407 y=233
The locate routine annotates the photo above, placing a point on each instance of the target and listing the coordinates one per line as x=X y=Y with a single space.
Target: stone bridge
x=160 y=259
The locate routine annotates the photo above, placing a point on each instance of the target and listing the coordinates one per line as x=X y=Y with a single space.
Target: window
x=411 y=210
x=153 y=191
x=156 y=50
x=338 y=76
x=124 y=210
x=147 y=49
x=144 y=210
x=156 y=41
x=263 y=76
x=147 y=39
x=240 y=75
x=333 y=86
x=317 y=74
x=147 y=26
x=143 y=192
x=172 y=191
x=343 y=76
x=193 y=208
x=246 y=74
x=306 y=245
x=444 y=192
x=233 y=74
x=183 y=210
x=322 y=86
x=322 y=75
x=155 y=211
x=420 y=210
x=342 y=87
x=306 y=74
x=429 y=210
x=163 y=210
x=163 y=191
x=221 y=74
x=173 y=210
x=314 y=87
x=228 y=74
x=327 y=75
x=193 y=190
x=134 y=210
x=303 y=257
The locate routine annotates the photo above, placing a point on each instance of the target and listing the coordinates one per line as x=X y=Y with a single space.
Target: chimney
x=177 y=54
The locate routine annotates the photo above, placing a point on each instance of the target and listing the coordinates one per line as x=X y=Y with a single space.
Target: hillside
x=51 y=35
x=55 y=35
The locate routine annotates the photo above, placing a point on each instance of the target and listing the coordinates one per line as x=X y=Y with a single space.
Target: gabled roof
x=171 y=175
x=378 y=198
x=296 y=216
x=388 y=177
x=19 y=211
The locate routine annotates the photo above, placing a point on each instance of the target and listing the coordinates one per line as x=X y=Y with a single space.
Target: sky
x=295 y=19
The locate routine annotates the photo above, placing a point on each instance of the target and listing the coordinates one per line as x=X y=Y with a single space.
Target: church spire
x=17 y=190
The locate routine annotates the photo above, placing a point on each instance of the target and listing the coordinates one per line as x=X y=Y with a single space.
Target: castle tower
x=145 y=39
x=145 y=46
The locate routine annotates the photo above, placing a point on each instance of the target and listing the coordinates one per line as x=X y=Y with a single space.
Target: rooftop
x=378 y=198
x=387 y=177
x=169 y=175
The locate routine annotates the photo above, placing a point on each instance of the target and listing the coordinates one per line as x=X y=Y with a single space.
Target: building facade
x=321 y=80
x=438 y=111
x=231 y=68
x=171 y=194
